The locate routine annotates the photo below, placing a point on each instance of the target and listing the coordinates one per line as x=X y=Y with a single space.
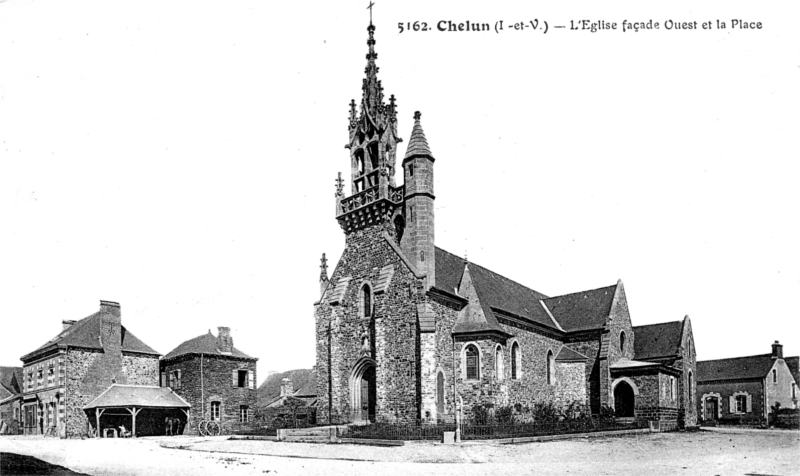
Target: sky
x=179 y=158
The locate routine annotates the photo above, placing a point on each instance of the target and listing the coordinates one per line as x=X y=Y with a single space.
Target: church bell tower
x=372 y=144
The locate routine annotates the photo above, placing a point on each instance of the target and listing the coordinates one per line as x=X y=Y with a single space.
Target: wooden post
x=98 y=412
x=134 y=412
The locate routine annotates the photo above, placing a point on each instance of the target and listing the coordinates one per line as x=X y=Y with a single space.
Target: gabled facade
x=10 y=399
x=83 y=360
x=214 y=377
x=746 y=388
x=406 y=330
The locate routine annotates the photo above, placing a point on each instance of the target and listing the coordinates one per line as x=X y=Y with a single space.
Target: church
x=406 y=331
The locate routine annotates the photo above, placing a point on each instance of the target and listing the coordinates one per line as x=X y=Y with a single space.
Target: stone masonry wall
x=570 y=383
x=216 y=385
x=392 y=333
x=754 y=388
x=140 y=369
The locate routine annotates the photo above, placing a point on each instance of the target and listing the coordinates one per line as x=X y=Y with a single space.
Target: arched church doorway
x=624 y=400
x=363 y=391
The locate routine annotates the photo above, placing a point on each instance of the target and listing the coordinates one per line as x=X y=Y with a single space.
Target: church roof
x=85 y=333
x=204 y=344
x=6 y=385
x=754 y=366
x=418 y=144
x=794 y=367
x=582 y=310
x=137 y=396
x=657 y=340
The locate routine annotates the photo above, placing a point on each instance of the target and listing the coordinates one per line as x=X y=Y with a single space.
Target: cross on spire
x=324 y=265
x=371 y=4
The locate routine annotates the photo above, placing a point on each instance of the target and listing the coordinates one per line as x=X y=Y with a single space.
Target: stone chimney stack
x=67 y=324
x=286 y=387
x=777 y=350
x=225 y=339
x=110 y=325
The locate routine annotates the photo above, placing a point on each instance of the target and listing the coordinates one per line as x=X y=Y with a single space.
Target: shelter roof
x=122 y=396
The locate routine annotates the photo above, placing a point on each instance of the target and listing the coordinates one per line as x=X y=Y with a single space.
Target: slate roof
x=304 y=381
x=754 y=366
x=657 y=340
x=418 y=144
x=794 y=367
x=137 y=396
x=6 y=376
x=85 y=333
x=203 y=344
x=494 y=291
x=582 y=310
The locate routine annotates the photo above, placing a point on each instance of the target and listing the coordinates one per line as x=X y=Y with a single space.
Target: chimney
x=225 y=340
x=286 y=387
x=777 y=350
x=67 y=324
x=110 y=325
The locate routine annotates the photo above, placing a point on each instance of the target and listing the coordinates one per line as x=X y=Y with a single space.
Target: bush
x=504 y=414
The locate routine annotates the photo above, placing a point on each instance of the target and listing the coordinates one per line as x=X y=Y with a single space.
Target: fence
x=471 y=431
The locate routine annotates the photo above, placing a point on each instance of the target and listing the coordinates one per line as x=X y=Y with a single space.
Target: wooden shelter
x=126 y=404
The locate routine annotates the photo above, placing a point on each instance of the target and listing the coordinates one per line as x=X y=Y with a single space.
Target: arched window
x=622 y=342
x=691 y=399
x=366 y=301
x=399 y=228
x=516 y=361
x=499 y=371
x=473 y=363
x=551 y=368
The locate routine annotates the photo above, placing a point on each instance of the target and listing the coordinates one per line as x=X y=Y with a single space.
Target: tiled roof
x=137 y=396
x=583 y=310
x=754 y=366
x=417 y=145
x=303 y=380
x=494 y=290
x=86 y=333
x=204 y=344
x=657 y=340
x=568 y=355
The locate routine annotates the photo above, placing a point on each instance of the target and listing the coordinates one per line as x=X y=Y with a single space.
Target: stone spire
x=418 y=144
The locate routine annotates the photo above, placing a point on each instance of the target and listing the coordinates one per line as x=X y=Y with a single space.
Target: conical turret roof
x=418 y=144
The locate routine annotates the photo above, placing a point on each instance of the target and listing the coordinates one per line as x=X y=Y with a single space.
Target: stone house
x=292 y=406
x=10 y=398
x=406 y=330
x=70 y=370
x=214 y=377
x=745 y=388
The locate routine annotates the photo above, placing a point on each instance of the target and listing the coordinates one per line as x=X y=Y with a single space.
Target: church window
x=411 y=213
x=473 y=367
x=360 y=162
x=794 y=390
x=373 y=155
x=399 y=227
x=366 y=302
x=422 y=256
x=516 y=361
x=774 y=376
x=215 y=410
x=622 y=342
x=690 y=386
x=673 y=388
x=411 y=170
x=551 y=368
x=498 y=363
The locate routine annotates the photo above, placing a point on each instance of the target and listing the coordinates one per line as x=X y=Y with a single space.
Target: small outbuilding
x=142 y=410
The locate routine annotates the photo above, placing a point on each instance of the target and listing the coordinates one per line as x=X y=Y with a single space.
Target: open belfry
x=408 y=331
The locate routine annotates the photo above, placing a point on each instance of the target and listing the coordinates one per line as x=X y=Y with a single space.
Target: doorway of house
x=623 y=400
x=712 y=408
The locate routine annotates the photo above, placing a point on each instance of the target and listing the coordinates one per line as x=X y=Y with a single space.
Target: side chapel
x=408 y=331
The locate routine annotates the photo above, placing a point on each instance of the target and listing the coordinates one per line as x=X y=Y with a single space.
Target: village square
x=420 y=356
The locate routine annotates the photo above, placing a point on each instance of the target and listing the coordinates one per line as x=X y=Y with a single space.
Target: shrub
x=504 y=414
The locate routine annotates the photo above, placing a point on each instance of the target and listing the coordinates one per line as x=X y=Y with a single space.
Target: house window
x=498 y=363
x=741 y=404
x=241 y=378
x=473 y=370
x=622 y=342
x=794 y=390
x=774 y=376
x=175 y=379
x=242 y=413
x=215 y=410
x=515 y=361
x=551 y=368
